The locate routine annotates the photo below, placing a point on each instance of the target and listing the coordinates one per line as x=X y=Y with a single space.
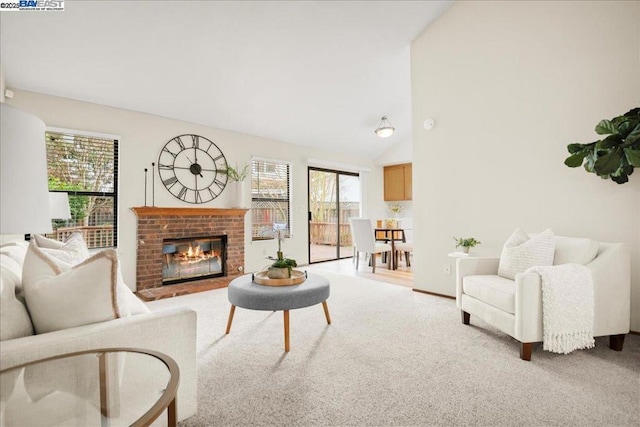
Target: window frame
x=289 y=199
x=116 y=173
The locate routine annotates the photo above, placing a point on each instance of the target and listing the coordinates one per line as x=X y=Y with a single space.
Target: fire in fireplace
x=193 y=258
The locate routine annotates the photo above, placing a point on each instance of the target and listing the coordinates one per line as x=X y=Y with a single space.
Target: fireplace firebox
x=193 y=258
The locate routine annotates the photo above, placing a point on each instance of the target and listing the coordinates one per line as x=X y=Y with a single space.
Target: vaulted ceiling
x=316 y=73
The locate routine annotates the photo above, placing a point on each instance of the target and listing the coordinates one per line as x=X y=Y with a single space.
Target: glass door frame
x=309 y=218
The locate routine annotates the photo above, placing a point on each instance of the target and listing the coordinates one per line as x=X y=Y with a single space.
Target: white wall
x=510 y=84
x=142 y=136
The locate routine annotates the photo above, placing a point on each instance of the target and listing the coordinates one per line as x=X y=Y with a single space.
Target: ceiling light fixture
x=385 y=129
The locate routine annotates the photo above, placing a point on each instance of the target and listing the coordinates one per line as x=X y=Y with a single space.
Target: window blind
x=270 y=198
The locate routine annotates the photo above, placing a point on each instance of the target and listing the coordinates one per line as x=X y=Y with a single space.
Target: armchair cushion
x=574 y=250
x=521 y=252
x=493 y=290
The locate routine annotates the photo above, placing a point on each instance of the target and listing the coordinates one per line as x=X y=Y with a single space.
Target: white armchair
x=515 y=307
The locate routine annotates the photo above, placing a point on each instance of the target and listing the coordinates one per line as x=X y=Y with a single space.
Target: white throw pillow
x=521 y=252
x=60 y=296
x=14 y=318
x=72 y=251
x=578 y=250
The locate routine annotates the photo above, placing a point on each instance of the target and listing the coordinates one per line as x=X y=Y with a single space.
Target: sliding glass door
x=334 y=197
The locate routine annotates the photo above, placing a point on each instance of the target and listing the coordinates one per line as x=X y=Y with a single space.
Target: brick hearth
x=156 y=224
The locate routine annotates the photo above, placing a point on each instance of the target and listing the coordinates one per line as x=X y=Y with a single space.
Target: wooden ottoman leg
x=326 y=311
x=233 y=310
x=286 y=331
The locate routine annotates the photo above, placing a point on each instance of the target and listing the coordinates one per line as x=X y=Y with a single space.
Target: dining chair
x=364 y=241
x=407 y=248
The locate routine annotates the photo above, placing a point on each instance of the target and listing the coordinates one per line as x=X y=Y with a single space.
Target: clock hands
x=195 y=168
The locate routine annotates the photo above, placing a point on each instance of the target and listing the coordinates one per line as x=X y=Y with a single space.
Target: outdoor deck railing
x=96 y=236
x=324 y=233
x=321 y=233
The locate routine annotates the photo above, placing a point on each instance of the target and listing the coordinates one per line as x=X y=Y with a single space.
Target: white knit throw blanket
x=567 y=307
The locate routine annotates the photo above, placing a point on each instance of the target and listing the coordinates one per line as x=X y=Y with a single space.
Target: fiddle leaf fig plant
x=616 y=155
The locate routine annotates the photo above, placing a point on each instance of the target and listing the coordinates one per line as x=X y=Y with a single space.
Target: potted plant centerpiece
x=466 y=243
x=281 y=268
x=237 y=176
x=395 y=211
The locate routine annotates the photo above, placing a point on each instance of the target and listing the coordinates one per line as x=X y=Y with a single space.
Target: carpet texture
x=395 y=357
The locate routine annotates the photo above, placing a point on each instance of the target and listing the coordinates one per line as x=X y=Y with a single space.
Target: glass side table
x=101 y=387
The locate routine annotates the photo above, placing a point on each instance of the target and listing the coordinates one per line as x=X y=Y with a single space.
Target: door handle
x=310 y=218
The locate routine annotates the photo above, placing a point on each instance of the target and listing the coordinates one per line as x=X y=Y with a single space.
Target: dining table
x=390 y=235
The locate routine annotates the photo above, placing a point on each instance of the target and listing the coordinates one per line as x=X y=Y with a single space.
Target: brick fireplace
x=155 y=225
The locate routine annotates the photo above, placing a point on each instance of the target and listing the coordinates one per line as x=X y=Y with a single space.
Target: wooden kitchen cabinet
x=398 y=183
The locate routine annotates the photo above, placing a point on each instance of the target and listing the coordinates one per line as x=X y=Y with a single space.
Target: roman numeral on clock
x=195 y=141
x=170 y=182
x=182 y=195
x=179 y=141
x=166 y=150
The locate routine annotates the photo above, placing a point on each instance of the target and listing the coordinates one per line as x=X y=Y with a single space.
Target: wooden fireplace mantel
x=146 y=211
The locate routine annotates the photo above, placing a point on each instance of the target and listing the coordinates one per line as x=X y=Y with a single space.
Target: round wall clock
x=190 y=168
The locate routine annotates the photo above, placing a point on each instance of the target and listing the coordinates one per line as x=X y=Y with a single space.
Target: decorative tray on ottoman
x=296 y=278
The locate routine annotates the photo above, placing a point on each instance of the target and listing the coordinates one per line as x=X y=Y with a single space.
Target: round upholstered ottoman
x=244 y=292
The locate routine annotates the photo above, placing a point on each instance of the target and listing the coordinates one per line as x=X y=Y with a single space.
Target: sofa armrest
x=472 y=267
x=611 y=273
x=170 y=331
x=528 y=307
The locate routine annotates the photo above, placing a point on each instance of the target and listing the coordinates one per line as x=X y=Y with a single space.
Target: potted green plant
x=236 y=174
x=281 y=268
x=466 y=243
x=616 y=155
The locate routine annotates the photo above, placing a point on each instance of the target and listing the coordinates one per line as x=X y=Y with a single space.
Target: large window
x=270 y=198
x=86 y=168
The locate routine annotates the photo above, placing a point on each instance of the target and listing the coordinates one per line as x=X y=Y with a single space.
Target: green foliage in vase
x=616 y=155
x=236 y=174
x=468 y=242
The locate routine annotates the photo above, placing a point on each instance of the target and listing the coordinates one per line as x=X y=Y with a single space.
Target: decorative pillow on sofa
x=14 y=318
x=72 y=251
x=61 y=296
x=521 y=252
x=579 y=250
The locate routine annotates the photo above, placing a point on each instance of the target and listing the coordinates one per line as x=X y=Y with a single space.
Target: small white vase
x=238 y=194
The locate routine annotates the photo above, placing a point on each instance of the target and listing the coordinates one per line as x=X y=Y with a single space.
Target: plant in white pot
x=466 y=243
x=237 y=176
x=281 y=268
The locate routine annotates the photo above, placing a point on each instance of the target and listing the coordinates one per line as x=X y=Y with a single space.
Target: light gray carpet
x=396 y=357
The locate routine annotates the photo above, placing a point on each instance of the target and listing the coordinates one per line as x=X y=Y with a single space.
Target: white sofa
x=170 y=331
x=515 y=306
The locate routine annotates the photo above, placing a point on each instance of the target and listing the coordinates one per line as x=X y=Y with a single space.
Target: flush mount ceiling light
x=384 y=128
